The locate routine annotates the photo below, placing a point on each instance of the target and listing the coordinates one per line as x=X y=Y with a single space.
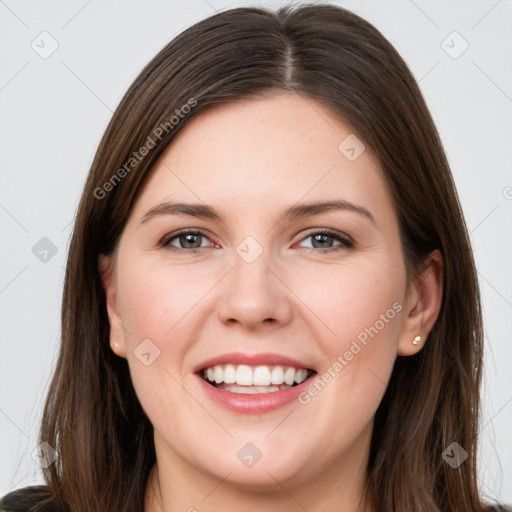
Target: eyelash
x=346 y=243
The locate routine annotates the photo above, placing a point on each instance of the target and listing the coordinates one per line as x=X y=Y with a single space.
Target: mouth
x=251 y=380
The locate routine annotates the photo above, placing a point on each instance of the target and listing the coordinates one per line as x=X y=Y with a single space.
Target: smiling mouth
x=250 y=380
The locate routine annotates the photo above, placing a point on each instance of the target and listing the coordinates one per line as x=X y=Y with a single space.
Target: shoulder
x=37 y=498
x=498 y=508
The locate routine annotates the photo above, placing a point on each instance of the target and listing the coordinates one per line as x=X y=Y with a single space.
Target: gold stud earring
x=416 y=341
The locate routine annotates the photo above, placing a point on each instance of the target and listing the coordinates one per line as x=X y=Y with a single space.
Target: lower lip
x=254 y=404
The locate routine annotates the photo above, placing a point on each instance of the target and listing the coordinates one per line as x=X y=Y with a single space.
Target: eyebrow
x=205 y=211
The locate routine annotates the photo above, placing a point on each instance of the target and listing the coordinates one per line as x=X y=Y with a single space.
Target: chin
x=258 y=465
x=262 y=477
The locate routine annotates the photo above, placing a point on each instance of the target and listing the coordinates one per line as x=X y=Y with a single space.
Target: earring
x=115 y=347
x=416 y=341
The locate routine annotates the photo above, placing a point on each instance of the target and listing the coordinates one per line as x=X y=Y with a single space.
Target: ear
x=107 y=273
x=422 y=305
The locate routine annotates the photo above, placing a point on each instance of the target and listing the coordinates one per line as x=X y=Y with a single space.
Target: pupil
x=322 y=238
x=189 y=239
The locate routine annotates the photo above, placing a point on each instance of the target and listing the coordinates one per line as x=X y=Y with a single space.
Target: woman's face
x=262 y=289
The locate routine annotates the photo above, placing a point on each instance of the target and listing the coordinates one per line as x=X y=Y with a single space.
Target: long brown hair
x=92 y=416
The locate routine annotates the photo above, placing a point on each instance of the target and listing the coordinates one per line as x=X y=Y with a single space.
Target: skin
x=251 y=160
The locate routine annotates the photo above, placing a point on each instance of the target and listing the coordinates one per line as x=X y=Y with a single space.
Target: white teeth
x=252 y=390
x=289 y=376
x=277 y=375
x=229 y=374
x=261 y=376
x=300 y=376
x=244 y=375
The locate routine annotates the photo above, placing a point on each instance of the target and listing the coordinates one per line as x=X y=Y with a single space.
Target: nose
x=255 y=295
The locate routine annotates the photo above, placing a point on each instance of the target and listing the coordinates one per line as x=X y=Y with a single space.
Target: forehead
x=259 y=153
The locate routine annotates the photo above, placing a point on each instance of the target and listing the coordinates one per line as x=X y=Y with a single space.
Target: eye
x=186 y=240
x=323 y=241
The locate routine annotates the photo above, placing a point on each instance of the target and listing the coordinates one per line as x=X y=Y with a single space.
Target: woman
x=318 y=346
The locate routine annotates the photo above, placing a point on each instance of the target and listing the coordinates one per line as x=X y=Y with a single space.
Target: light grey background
x=54 y=110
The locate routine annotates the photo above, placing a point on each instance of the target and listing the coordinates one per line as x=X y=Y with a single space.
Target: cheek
x=361 y=310
x=353 y=299
x=158 y=303
x=162 y=309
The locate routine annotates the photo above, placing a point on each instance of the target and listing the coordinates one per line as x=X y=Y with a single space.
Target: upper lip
x=252 y=360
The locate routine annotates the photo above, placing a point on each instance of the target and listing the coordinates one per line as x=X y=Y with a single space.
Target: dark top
x=33 y=498
x=36 y=498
